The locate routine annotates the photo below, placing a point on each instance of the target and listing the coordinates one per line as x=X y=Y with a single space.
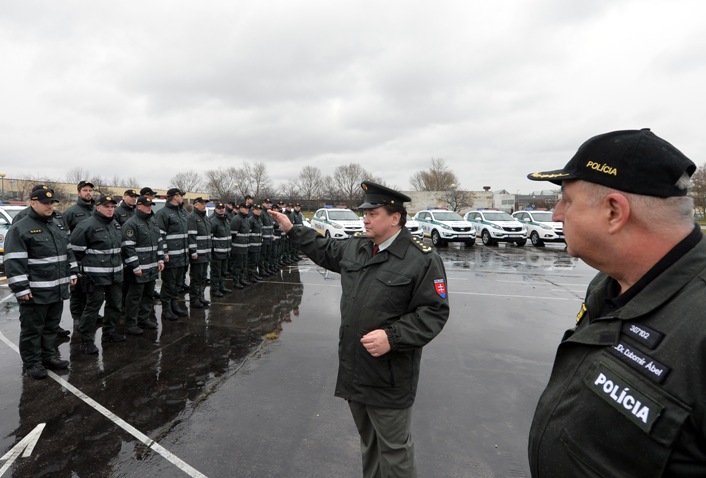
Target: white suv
x=337 y=223
x=445 y=226
x=540 y=227
x=494 y=226
x=7 y=214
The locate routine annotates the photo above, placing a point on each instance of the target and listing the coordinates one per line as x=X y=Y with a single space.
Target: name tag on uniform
x=622 y=395
x=641 y=362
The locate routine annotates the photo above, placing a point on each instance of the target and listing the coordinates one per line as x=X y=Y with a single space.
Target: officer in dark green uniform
x=40 y=266
x=240 y=242
x=627 y=395
x=394 y=302
x=265 y=260
x=220 y=232
x=143 y=254
x=126 y=209
x=172 y=225
x=96 y=244
x=199 y=230
x=255 y=243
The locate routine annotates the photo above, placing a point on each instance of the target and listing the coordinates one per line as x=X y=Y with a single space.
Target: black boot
x=178 y=310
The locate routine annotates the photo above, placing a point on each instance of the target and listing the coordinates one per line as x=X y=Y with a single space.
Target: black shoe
x=205 y=302
x=217 y=293
x=225 y=291
x=196 y=304
x=88 y=347
x=133 y=330
x=245 y=282
x=55 y=363
x=62 y=333
x=113 y=337
x=148 y=325
x=37 y=372
x=179 y=310
x=253 y=279
x=238 y=285
x=257 y=276
x=169 y=315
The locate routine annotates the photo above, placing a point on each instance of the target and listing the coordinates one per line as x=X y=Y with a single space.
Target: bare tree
x=311 y=182
x=698 y=189
x=222 y=184
x=189 y=181
x=458 y=200
x=260 y=179
x=76 y=175
x=437 y=178
x=347 y=180
x=290 y=191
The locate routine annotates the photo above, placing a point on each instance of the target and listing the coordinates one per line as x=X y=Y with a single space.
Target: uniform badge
x=129 y=233
x=581 y=313
x=440 y=287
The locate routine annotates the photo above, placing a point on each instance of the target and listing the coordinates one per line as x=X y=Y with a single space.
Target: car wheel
x=436 y=239
x=521 y=242
x=327 y=234
x=536 y=241
x=487 y=240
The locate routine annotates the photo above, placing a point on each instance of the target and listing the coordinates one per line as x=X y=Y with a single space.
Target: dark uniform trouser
x=112 y=295
x=197 y=273
x=77 y=301
x=38 y=326
x=385 y=441
x=218 y=271
x=264 y=260
x=253 y=259
x=139 y=303
x=239 y=262
x=172 y=282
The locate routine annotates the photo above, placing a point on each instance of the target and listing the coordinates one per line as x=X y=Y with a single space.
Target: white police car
x=540 y=227
x=445 y=226
x=494 y=226
x=339 y=223
x=7 y=213
x=414 y=227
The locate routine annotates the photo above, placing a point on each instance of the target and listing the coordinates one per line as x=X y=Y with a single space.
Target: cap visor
x=556 y=176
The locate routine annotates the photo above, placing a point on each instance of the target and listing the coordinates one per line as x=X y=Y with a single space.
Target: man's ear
x=617 y=211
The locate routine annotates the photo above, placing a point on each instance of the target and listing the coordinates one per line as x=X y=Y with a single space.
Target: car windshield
x=343 y=216
x=542 y=216
x=12 y=212
x=447 y=216
x=498 y=216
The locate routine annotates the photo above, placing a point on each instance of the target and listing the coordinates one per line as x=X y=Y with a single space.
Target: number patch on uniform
x=440 y=287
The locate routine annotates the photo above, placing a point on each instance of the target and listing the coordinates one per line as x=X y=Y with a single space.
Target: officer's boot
x=177 y=309
x=167 y=313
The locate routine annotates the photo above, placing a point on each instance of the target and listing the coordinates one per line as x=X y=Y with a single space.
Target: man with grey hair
x=626 y=395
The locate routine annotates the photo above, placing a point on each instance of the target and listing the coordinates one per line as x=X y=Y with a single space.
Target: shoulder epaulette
x=420 y=244
x=360 y=234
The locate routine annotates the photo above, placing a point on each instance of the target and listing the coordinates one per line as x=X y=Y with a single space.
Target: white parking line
x=173 y=459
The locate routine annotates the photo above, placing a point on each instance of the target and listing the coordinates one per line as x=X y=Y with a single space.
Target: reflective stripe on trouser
x=172 y=282
x=197 y=274
x=38 y=326
x=385 y=440
x=218 y=270
x=112 y=295
x=139 y=302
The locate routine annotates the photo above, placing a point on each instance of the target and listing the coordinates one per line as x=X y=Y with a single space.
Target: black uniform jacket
x=627 y=395
x=401 y=290
x=96 y=244
x=38 y=259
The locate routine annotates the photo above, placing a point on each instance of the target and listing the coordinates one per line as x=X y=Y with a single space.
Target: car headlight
x=544 y=226
x=495 y=226
x=445 y=226
x=337 y=226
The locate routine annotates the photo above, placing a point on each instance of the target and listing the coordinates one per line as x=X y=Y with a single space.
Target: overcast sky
x=497 y=89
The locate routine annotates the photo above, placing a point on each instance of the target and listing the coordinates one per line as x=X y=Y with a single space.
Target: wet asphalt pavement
x=245 y=388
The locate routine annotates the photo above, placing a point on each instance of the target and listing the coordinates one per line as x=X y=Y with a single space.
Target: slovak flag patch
x=440 y=287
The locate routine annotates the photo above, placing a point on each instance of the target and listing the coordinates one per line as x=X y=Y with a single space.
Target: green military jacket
x=38 y=259
x=142 y=246
x=199 y=230
x=255 y=233
x=627 y=394
x=96 y=244
x=172 y=225
x=401 y=290
x=267 y=227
